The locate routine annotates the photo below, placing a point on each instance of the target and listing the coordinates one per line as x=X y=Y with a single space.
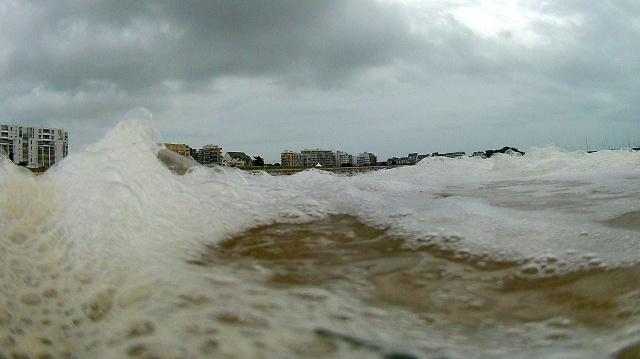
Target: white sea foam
x=94 y=251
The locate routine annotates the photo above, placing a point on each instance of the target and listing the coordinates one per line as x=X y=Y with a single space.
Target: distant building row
x=211 y=154
x=414 y=158
x=34 y=147
x=326 y=158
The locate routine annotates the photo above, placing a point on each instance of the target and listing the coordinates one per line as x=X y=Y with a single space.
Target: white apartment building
x=35 y=147
x=367 y=159
x=343 y=158
x=325 y=158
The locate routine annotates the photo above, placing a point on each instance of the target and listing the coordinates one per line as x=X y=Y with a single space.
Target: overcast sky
x=388 y=77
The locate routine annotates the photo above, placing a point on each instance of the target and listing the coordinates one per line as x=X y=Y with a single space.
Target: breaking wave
x=125 y=249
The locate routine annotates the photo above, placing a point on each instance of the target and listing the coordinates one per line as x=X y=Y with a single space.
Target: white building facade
x=35 y=147
x=343 y=158
x=324 y=158
x=367 y=159
x=234 y=159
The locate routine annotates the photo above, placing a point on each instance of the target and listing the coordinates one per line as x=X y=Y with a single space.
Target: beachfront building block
x=34 y=147
x=290 y=159
x=367 y=159
x=180 y=148
x=210 y=155
x=325 y=158
x=343 y=158
x=234 y=159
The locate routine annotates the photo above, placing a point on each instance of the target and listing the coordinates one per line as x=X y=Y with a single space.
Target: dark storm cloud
x=137 y=45
x=286 y=66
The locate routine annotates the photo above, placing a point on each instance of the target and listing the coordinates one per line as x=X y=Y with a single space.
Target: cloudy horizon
x=389 y=77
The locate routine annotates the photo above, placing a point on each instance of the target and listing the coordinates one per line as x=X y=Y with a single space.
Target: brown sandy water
x=332 y=288
x=443 y=288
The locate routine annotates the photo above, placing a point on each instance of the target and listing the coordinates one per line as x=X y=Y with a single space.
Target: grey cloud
x=599 y=50
x=286 y=64
x=136 y=45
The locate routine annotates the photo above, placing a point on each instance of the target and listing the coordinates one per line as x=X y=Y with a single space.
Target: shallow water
x=342 y=251
x=125 y=250
x=454 y=294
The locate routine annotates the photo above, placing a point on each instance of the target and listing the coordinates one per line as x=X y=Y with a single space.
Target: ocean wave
x=118 y=250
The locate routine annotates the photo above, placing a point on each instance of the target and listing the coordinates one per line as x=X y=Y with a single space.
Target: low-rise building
x=449 y=154
x=234 y=159
x=411 y=159
x=392 y=161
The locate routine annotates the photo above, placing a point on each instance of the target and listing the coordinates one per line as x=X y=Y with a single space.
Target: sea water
x=124 y=250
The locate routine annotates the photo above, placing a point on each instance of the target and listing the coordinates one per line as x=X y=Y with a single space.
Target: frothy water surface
x=126 y=250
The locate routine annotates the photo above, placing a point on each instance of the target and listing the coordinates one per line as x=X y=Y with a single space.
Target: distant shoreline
x=292 y=170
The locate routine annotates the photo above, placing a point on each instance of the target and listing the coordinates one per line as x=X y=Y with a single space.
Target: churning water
x=124 y=250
